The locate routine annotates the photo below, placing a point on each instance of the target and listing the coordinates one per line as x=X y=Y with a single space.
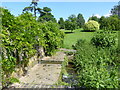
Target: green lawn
x=71 y=38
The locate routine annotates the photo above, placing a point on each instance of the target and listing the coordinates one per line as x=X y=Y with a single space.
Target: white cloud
x=107 y=15
x=97 y=15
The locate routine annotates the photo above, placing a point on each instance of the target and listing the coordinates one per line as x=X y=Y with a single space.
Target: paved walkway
x=42 y=75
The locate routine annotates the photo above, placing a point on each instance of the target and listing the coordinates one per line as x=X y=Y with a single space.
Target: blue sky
x=65 y=9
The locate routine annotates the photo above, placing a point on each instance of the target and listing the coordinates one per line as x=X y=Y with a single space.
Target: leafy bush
x=91 y=25
x=110 y=23
x=70 y=25
x=21 y=37
x=104 y=39
x=53 y=37
x=95 y=67
x=79 y=43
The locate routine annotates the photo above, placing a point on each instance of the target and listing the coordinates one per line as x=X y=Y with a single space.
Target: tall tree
x=116 y=10
x=70 y=25
x=33 y=7
x=72 y=18
x=95 y=18
x=46 y=15
x=80 y=20
x=72 y=22
x=61 y=23
x=102 y=22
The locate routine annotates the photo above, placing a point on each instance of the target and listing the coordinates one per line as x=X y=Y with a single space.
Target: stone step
x=29 y=85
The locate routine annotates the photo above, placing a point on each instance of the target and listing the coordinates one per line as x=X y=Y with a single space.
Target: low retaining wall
x=21 y=71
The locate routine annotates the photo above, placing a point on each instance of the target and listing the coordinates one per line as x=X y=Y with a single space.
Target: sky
x=65 y=9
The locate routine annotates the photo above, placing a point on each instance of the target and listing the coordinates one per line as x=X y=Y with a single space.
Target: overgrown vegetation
x=21 y=38
x=97 y=67
x=105 y=39
x=97 y=57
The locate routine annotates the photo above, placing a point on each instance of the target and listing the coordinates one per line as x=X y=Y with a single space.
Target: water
x=71 y=78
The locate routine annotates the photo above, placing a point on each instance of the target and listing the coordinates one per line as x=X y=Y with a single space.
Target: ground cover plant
x=97 y=67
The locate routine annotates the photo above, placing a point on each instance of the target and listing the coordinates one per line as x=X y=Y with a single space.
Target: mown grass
x=72 y=37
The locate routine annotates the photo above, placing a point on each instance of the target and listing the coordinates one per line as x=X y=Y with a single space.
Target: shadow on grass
x=69 y=32
x=88 y=30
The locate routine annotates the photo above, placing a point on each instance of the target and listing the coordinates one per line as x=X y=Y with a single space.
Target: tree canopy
x=80 y=20
x=116 y=10
x=61 y=23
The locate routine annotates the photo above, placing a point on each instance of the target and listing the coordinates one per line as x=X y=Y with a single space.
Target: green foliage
x=21 y=38
x=61 y=23
x=7 y=17
x=102 y=22
x=53 y=37
x=80 y=20
x=116 y=9
x=8 y=65
x=74 y=22
x=33 y=8
x=95 y=18
x=46 y=15
x=110 y=23
x=70 y=23
x=79 y=43
x=92 y=77
x=91 y=25
x=96 y=67
x=113 y=23
x=104 y=39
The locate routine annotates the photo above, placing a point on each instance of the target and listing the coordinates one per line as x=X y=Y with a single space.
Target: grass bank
x=72 y=37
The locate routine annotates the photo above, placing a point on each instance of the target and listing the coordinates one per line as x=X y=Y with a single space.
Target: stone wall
x=21 y=71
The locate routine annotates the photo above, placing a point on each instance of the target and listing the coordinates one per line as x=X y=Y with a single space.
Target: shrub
x=79 y=43
x=70 y=25
x=20 y=37
x=53 y=37
x=91 y=25
x=110 y=23
x=93 y=67
x=104 y=39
